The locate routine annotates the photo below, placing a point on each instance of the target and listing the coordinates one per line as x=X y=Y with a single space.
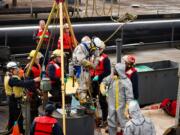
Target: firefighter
x=119 y=90
x=81 y=63
x=103 y=69
x=14 y=88
x=46 y=125
x=68 y=45
x=53 y=71
x=34 y=92
x=37 y=35
x=131 y=72
x=138 y=124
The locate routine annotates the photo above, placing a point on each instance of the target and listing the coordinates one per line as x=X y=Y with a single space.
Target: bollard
x=118 y=49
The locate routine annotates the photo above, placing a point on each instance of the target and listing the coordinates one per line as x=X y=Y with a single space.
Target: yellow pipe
x=62 y=66
x=69 y=23
x=41 y=39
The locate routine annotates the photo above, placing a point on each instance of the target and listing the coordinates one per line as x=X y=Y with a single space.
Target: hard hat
x=49 y=108
x=98 y=43
x=56 y=53
x=65 y=26
x=129 y=59
x=32 y=53
x=11 y=64
x=86 y=39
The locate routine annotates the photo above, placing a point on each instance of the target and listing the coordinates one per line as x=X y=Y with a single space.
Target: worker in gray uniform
x=81 y=63
x=138 y=124
x=118 y=89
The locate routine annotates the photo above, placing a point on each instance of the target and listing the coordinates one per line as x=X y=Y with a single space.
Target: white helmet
x=11 y=64
x=86 y=39
x=99 y=43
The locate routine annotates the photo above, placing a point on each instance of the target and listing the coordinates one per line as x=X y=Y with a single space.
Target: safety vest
x=100 y=67
x=57 y=70
x=67 y=41
x=39 y=34
x=130 y=72
x=36 y=70
x=44 y=125
x=17 y=91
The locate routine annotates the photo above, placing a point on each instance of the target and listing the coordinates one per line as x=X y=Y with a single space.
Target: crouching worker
x=46 y=125
x=119 y=90
x=138 y=124
x=14 y=88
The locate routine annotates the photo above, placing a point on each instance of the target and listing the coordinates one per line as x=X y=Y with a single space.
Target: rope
x=47 y=49
x=86 y=9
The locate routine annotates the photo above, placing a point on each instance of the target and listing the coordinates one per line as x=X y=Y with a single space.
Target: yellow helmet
x=56 y=53
x=32 y=53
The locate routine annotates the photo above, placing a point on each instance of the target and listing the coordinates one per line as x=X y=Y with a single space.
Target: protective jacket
x=133 y=76
x=67 y=41
x=17 y=91
x=57 y=71
x=39 y=34
x=119 y=89
x=44 y=125
x=81 y=58
x=138 y=124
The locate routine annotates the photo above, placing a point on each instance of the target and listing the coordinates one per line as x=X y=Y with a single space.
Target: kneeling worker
x=138 y=124
x=14 y=88
x=46 y=125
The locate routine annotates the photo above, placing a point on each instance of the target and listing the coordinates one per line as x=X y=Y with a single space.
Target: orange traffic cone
x=16 y=129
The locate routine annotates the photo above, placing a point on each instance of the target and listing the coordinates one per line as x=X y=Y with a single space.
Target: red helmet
x=129 y=59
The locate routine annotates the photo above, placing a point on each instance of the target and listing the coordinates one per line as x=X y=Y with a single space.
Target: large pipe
x=20 y=37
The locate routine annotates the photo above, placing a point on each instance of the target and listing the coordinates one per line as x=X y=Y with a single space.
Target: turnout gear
x=138 y=124
x=32 y=53
x=119 y=89
x=44 y=125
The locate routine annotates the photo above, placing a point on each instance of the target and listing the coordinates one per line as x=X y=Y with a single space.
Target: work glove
x=96 y=78
x=103 y=89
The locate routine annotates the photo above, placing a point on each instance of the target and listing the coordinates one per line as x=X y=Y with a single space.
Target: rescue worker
x=34 y=92
x=67 y=40
x=37 y=35
x=119 y=90
x=131 y=72
x=138 y=124
x=46 y=125
x=102 y=70
x=53 y=71
x=14 y=88
x=68 y=45
x=81 y=63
